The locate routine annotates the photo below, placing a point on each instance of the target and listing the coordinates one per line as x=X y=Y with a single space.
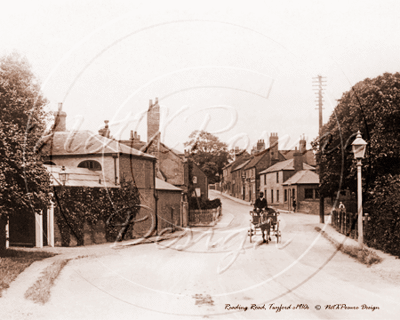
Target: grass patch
x=40 y=291
x=13 y=262
x=363 y=255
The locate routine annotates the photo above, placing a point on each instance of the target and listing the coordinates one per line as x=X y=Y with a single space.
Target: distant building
x=302 y=187
x=262 y=158
x=272 y=181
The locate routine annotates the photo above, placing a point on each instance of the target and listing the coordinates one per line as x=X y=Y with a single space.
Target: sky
x=238 y=69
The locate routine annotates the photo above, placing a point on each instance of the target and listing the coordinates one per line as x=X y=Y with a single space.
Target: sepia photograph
x=199 y=159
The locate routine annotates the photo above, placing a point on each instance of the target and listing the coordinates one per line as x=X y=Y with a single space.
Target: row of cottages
x=99 y=161
x=286 y=177
x=291 y=182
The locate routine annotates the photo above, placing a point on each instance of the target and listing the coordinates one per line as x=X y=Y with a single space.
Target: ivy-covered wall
x=83 y=211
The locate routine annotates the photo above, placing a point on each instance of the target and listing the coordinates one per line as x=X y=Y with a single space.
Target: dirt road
x=216 y=272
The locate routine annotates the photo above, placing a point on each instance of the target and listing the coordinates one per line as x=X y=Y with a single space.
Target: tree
x=24 y=181
x=373 y=107
x=209 y=153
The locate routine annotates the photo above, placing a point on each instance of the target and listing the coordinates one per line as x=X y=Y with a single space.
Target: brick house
x=273 y=178
x=238 y=180
x=228 y=172
x=96 y=160
x=171 y=165
x=262 y=158
x=199 y=183
x=302 y=186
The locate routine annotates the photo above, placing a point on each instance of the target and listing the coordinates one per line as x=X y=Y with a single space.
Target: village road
x=218 y=273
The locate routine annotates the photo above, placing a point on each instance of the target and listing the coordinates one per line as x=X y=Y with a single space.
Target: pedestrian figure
x=294 y=205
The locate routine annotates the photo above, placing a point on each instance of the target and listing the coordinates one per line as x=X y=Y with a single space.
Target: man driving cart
x=260 y=203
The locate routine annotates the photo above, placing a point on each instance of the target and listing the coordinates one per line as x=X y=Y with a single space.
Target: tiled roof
x=303 y=177
x=85 y=142
x=285 y=165
x=79 y=177
x=228 y=165
x=240 y=166
x=256 y=158
x=163 y=185
x=308 y=156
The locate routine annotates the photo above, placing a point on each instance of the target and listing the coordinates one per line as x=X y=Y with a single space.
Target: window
x=277 y=177
x=272 y=196
x=285 y=195
x=316 y=193
x=194 y=179
x=308 y=193
x=90 y=164
x=277 y=195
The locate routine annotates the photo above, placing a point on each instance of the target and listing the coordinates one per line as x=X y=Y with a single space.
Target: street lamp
x=359 y=146
x=63 y=175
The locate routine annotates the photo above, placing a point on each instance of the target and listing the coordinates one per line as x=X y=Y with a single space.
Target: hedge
x=383 y=229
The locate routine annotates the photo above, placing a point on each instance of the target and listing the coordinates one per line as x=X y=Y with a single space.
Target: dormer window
x=194 y=179
x=90 y=164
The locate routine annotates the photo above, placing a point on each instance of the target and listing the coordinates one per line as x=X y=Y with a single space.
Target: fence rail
x=347 y=223
x=204 y=217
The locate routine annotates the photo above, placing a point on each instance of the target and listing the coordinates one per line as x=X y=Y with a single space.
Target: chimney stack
x=105 y=132
x=260 y=145
x=60 y=118
x=273 y=145
x=134 y=136
x=302 y=144
x=153 y=126
x=297 y=160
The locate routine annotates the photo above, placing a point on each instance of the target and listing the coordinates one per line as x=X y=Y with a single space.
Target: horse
x=268 y=220
x=265 y=226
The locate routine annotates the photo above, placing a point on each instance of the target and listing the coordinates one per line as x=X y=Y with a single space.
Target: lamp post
x=63 y=175
x=359 y=146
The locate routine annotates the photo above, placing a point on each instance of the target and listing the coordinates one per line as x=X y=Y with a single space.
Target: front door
x=22 y=229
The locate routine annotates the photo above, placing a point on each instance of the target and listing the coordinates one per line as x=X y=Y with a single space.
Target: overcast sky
x=237 y=69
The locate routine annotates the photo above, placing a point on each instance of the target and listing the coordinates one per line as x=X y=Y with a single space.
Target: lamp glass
x=359 y=146
x=63 y=175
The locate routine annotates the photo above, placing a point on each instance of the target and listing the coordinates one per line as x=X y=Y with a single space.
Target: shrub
x=197 y=203
x=383 y=229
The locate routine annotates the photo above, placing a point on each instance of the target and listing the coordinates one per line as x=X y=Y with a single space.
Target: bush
x=383 y=229
x=194 y=204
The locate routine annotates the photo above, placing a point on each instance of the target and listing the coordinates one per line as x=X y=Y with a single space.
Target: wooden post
x=38 y=229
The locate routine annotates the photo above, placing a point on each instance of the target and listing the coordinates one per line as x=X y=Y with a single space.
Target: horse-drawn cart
x=267 y=222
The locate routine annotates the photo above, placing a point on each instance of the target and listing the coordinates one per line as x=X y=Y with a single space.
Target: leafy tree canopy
x=24 y=182
x=373 y=107
x=209 y=153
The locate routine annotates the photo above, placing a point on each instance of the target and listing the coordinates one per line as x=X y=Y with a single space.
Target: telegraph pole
x=319 y=82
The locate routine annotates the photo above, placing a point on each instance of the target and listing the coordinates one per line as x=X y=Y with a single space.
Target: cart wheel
x=278 y=233
x=250 y=233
